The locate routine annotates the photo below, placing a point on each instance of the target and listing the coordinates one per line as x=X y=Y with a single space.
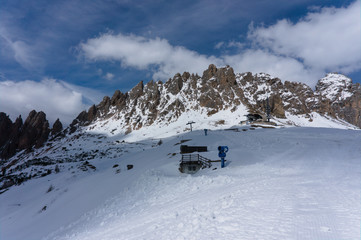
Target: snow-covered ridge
x=220 y=91
x=335 y=87
x=174 y=109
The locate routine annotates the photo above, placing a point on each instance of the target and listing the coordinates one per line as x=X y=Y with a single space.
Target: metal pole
x=190 y=123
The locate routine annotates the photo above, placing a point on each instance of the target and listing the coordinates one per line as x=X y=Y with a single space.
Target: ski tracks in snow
x=301 y=191
x=253 y=203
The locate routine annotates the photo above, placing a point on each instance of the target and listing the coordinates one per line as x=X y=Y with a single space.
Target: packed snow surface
x=286 y=183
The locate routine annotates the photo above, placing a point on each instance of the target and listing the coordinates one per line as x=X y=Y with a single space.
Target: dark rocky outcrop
x=299 y=96
x=5 y=128
x=33 y=132
x=57 y=127
x=175 y=85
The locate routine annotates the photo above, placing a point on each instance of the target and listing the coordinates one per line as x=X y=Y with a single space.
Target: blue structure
x=222 y=154
x=205 y=131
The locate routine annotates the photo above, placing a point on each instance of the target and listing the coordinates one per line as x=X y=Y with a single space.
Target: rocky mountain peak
x=5 y=128
x=219 y=77
x=210 y=72
x=216 y=90
x=137 y=91
x=175 y=85
x=33 y=132
x=338 y=97
x=57 y=127
x=335 y=87
x=118 y=99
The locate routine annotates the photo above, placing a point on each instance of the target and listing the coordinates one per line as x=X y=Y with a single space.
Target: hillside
x=285 y=183
x=113 y=173
x=225 y=96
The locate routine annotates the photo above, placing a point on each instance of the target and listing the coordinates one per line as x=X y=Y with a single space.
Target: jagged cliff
x=33 y=133
x=220 y=89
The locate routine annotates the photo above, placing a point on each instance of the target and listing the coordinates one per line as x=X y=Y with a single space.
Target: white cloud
x=219 y=45
x=287 y=69
x=109 y=76
x=234 y=44
x=20 y=51
x=230 y=44
x=142 y=53
x=56 y=98
x=327 y=39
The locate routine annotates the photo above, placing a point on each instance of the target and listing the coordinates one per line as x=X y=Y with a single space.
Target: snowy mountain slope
x=221 y=91
x=288 y=183
x=335 y=87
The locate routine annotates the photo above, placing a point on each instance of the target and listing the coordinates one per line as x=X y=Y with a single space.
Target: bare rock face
x=352 y=109
x=103 y=107
x=219 y=77
x=5 y=128
x=57 y=127
x=218 y=89
x=33 y=133
x=11 y=144
x=118 y=100
x=143 y=102
x=338 y=97
x=175 y=85
x=137 y=91
x=257 y=88
x=299 y=98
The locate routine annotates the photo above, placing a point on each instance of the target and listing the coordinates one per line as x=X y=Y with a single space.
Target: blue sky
x=62 y=56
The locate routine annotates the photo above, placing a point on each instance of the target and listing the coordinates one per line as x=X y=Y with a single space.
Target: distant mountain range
x=218 y=97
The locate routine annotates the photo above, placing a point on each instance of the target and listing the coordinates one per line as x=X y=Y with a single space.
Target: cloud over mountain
x=326 y=39
x=143 y=53
x=56 y=98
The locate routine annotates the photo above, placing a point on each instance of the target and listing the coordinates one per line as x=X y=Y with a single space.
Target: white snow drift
x=288 y=183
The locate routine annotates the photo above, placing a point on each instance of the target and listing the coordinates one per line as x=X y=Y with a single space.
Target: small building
x=192 y=163
x=254 y=117
x=189 y=167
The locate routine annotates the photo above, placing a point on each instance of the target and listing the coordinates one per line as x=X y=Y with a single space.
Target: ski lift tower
x=268 y=110
x=190 y=123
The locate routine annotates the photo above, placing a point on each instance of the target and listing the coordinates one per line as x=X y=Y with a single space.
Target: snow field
x=289 y=183
x=291 y=194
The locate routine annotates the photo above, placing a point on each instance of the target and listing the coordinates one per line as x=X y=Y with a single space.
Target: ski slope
x=286 y=183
